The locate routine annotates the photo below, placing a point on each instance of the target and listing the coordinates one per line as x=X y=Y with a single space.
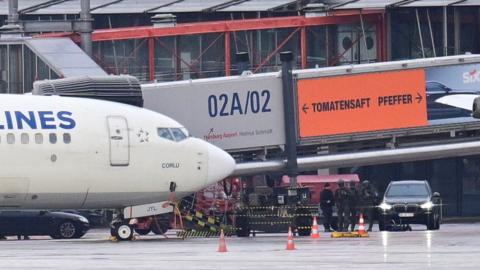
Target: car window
x=406 y=190
x=436 y=87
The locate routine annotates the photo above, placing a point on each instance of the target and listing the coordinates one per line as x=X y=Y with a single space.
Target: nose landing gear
x=121 y=229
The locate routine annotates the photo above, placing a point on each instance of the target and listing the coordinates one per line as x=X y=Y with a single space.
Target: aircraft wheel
x=123 y=231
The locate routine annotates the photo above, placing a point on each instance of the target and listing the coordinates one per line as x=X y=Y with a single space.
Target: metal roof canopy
x=368 y=4
x=430 y=3
x=22 y=4
x=257 y=5
x=467 y=3
x=190 y=6
x=64 y=57
x=69 y=7
x=387 y=66
x=132 y=6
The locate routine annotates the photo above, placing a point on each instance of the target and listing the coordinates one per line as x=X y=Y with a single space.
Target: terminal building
x=171 y=40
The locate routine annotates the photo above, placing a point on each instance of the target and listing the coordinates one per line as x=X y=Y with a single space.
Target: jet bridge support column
x=85 y=27
x=13 y=12
x=289 y=117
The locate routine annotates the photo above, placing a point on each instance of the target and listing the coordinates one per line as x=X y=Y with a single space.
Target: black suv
x=410 y=202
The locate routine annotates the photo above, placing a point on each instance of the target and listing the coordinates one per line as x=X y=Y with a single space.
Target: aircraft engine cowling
x=476 y=108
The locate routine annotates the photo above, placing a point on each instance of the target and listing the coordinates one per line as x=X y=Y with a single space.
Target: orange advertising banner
x=362 y=102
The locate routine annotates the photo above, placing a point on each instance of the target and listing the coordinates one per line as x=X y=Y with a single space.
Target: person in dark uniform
x=341 y=200
x=352 y=205
x=368 y=198
x=327 y=201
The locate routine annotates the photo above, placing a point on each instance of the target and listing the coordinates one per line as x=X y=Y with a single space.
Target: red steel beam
x=384 y=38
x=227 y=54
x=303 y=47
x=151 y=59
x=228 y=26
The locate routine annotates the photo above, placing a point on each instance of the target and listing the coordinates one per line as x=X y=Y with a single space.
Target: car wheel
x=66 y=230
x=123 y=231
x=142 y=231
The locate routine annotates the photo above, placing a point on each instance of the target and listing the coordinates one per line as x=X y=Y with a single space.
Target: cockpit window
x=172 y=134
x=178 y=134
x=185 y=131
x=165 y=133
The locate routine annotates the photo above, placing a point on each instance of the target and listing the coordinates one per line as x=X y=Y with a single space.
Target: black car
x=410 y=202
x=57 y=225
x=435 y=110
x=96 y=218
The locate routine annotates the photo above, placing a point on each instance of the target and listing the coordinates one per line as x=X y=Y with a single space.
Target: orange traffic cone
x=290 y=244
x=222 y=247
x=314 y=233
x=361 y=225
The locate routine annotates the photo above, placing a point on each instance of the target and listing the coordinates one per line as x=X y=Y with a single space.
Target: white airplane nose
x=220 y=164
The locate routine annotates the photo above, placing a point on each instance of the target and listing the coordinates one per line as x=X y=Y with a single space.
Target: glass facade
x=123 y=57
x=165 y=61
x=3 y=69
x=200 y=56
x=194 y=56
x=317 y=46
x=417 y=33
x=456 y=179
x=20 y=67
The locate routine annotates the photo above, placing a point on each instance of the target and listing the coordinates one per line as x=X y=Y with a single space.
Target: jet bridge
x=244 y=114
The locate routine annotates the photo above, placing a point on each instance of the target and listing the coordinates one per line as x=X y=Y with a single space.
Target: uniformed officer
x=368 y=198
x=327 y=201
x=352 y=205
x=341 y=200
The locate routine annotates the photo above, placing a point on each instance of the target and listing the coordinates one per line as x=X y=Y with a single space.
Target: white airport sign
x=239 y=112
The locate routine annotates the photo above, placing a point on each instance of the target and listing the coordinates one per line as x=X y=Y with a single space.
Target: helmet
x=365 y=183
x=341 y=183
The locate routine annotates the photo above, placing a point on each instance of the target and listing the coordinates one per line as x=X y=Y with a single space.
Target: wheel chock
x=349 y=235
x=113 y=239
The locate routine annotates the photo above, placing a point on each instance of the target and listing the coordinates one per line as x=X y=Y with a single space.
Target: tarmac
x=454 y=246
